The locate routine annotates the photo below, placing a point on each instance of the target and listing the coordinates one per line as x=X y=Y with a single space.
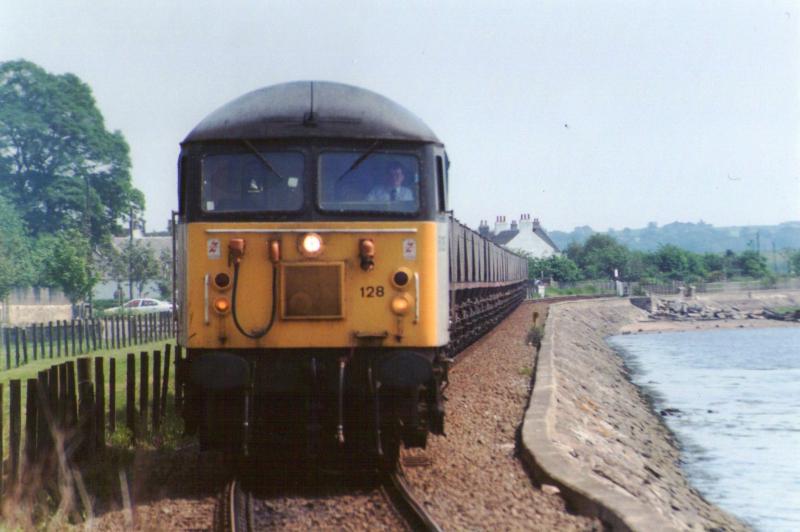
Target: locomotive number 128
x=372 y=291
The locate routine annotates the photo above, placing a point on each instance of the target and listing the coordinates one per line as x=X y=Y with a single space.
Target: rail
x=397 y=492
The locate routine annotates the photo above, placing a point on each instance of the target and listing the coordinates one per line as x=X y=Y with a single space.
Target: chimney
x=513 y=225
x=483 y=229
x=500 y=224
x=536 y=224
x=525 y=223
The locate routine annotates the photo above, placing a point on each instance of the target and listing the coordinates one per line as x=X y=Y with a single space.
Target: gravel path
x=474 y=480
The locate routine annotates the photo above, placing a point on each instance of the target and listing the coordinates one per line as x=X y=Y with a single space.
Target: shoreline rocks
x=594 y=434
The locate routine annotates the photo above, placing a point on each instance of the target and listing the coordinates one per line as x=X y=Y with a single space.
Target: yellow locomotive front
x=312 y=271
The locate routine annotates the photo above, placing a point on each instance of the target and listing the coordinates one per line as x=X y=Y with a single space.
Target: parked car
x=141 y=306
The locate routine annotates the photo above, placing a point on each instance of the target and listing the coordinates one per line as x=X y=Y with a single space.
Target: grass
x=121 y=438
x=99 y=475
x=786 y=310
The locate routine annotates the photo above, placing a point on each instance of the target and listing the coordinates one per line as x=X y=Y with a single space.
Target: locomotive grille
x=312 y=290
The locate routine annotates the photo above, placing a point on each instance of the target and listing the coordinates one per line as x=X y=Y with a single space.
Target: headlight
x=401 y=304
x=310 y=245
x=222 y=305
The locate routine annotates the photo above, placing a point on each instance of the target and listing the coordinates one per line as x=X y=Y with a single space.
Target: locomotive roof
x=312 y=109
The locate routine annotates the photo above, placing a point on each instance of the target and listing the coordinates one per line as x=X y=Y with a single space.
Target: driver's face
x=397 y=176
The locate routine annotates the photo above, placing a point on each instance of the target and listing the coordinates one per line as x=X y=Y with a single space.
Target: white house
x=526 y=235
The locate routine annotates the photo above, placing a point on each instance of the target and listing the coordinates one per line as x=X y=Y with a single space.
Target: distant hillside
x=700 y=237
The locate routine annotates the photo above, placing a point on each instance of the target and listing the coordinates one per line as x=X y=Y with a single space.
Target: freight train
x=323 y=285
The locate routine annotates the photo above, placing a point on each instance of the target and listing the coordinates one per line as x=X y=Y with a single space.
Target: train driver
x=393 y=190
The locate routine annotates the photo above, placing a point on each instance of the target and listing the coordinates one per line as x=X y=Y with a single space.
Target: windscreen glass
x=246 y=182
x=368 y=181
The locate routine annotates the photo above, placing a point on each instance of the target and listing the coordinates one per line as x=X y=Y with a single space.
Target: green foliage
x=600 y=256
x=695 y=237
x=794 y=262
x=752 y=264
x=535 y=336
x=557 y=268
x=135 y=261
x=58 y=163
x=64 y=260
x=16 y=264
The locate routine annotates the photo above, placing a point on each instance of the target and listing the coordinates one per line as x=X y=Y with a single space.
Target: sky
x=608 y=114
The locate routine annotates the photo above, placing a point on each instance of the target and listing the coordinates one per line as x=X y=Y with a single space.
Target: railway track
x=236 y=506
x=235 y=509
x=397 y=491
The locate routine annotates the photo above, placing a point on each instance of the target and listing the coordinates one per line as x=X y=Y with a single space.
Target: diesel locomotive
x=323 y=285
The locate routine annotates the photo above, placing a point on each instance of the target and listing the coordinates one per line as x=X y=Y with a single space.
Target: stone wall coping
x=586 y=495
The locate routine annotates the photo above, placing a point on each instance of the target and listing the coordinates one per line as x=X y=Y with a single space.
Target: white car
x=141 y=306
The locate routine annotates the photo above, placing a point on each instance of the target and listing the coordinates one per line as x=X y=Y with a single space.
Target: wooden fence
x=71 y=407
x=39 y=341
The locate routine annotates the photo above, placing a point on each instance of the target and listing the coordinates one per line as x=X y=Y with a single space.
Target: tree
x=16 y=264
x=794 y=262
x=555 y=267
x=752 y=264
x=600 y=256
x=58 y=163
x=135 y=261
x=64 y=262
x=164 y=278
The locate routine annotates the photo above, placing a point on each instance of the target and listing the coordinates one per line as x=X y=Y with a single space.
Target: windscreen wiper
x=261 y=158
x=361 y=159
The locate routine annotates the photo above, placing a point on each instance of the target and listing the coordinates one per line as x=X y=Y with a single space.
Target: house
x=526 y=235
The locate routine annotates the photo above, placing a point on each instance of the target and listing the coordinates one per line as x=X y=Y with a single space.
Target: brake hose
x=257 y=333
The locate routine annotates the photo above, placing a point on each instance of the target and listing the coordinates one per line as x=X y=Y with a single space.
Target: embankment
x=591 y=431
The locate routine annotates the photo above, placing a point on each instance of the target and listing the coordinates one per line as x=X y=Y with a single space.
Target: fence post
x=104 y=334
x=2 y=435
x=72 y=336
x=94 y=334
x=14 y=428
x=115 y=332
x=65 y=330
x=16 y=344
x=100 y=404
x=58 y=339
x=25 y=344
x=71 y=415
x=8 y=347
x=178 y=378
x=35 y=343
x=85 y=408
x=165 y=384
x=156 y=389
x=130 y=405
x=112 y=395
x=52 y=400
x=30 y=423
x=144 y=384
x=43 y=350
x=43 y=407
x=49 y=337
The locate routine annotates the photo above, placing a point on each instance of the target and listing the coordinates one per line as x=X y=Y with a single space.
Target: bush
x=535 y=335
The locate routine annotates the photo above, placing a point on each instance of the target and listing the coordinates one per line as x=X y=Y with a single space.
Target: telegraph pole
x=130 y=255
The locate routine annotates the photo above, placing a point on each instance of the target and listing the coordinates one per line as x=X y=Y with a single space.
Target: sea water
x=736 y=395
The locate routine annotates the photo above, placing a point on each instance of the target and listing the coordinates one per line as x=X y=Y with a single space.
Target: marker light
x=401 y=304
x=222 y=280
x=311 y=245
x=222 y=305
x=401 y=277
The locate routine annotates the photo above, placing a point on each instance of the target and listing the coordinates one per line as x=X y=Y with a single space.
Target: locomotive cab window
x=369 y=181
x=249 y=182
